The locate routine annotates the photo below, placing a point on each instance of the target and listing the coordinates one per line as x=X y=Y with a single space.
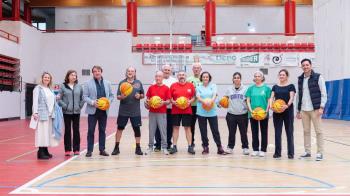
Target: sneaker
x=104 y=153
x=229 y=150
x=191 y=150
x=173 y=150
x=138 y=151
x=116 y=151
x=305 y=155
x=255 y=153
x=157 y=149
x=290 y=156
x=76 y=153
x=245 y=151
x=149 y=151
x=221 y=151
x=261 y=154
x=205 y=150
x=67 y=153
x=276 y=156
x=165 y=152
x=319 y=157
x=88 y=154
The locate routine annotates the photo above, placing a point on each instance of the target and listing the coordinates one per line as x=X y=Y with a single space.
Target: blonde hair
x=42 y=77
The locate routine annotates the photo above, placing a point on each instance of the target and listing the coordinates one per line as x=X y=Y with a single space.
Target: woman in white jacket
x=43 y=111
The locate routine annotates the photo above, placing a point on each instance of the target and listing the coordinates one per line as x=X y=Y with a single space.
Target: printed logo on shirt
x=189 y=90
x=237 y=96
x=136 y=85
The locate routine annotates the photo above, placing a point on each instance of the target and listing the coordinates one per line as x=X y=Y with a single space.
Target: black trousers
x=255 y=133
x=100 y=117
x=193 y=123
x=287 y=117
x=213 y=123
x=71 y=120
x=232 y=122
x=169 y=127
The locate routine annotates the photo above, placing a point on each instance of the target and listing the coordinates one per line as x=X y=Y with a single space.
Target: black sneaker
x=221 y=151
x=305 y=155
x=276 y=156
x=104 y=153
x=290 y=156
x=173 y=150
x=116 y=151
x=88 y=154
x=191 y=150
x=157 y=149
x=205 y=150
x=138 y=151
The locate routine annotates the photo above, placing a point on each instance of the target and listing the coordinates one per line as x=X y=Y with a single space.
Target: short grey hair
x=167 y=65
x=261 y=74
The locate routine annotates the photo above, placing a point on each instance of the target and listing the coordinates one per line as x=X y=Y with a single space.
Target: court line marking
x=28 y=184
x=9 y=139
x=336 y=142
x=42 y=185
x=184 y=187
x=21 y=155
x=8 y=187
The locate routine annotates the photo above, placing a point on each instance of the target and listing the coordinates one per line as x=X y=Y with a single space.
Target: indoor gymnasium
x=174 y=97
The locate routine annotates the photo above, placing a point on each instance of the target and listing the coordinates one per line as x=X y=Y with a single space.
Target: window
x=40 y=25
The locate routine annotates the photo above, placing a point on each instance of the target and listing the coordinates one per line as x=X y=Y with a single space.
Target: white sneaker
x=255 y=153
x=165 y=152
x=261 y=154
x=319 y=157
x=149 y=151
x=245 y=151
x=229 y=150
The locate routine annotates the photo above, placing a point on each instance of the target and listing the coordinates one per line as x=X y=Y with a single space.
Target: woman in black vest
x=285 y=91
x=71 y=101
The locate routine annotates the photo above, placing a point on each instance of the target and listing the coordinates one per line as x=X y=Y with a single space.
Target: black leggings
x=255 y=133
x=193 y=122
x=287 y=117
x=213 y=123
x=232 y=122
x=71 y=120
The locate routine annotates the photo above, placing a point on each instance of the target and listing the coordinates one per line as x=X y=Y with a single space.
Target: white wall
x=332 y=30
x=9 y=101
x=90 y=18
x=29 y=51
x=186 y=19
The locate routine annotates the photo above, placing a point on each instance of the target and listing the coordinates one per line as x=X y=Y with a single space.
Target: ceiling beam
x=93 y=3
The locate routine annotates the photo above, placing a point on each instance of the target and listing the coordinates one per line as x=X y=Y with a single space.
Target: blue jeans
x=100 y=117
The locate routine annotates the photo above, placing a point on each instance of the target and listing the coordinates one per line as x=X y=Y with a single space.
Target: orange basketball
x=155 y=102
x=182 y=102
x=207 y=107
x=277 y=105
x=126 y=88
x=259 y=113
x=103 y=103
x=224 y=102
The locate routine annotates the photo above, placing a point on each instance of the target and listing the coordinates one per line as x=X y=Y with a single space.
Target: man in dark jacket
x=311 y=100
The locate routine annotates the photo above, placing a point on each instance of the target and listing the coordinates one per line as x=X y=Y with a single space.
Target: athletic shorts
x=123 y=120
x=184 y=119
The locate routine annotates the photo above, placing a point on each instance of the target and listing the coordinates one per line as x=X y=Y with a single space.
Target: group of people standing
x=165 y=120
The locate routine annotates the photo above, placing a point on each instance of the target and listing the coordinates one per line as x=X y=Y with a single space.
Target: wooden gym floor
x=183 y=173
